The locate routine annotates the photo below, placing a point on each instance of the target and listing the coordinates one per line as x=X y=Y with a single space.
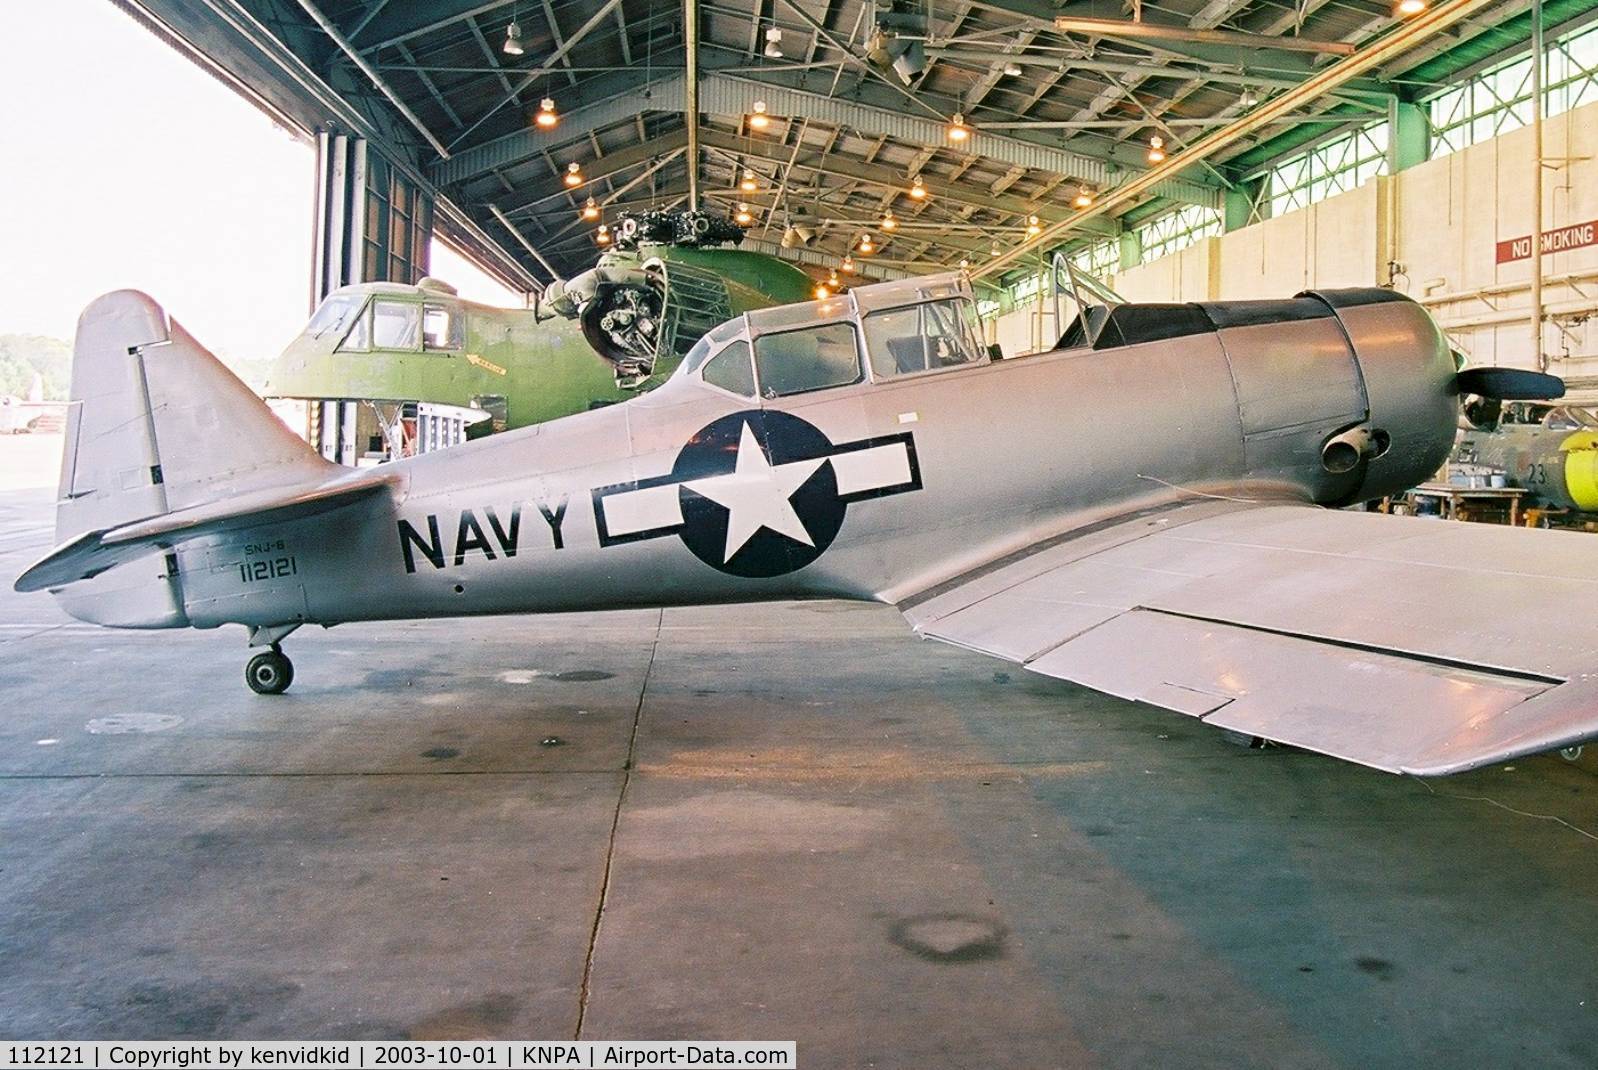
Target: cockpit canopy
x=390 y=317
x=892 y=329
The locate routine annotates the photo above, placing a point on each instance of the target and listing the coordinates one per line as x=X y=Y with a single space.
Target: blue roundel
x=757 y=493
x=758 y=515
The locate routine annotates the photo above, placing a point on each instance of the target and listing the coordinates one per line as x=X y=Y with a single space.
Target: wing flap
x=1378 y=709
x=1403 y=644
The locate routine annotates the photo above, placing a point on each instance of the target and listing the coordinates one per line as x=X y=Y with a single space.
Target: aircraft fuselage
x=874 y=490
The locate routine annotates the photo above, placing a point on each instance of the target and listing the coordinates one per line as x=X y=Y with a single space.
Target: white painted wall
x=1448 y=215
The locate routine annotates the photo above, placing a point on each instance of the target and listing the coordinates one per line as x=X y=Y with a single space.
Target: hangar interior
x=1006 y=125
x=663 y=823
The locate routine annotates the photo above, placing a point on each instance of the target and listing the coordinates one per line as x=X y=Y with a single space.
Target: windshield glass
x=921 y=338
x=1566 y=418
x=334 y=311
x=442 y=328
x=797 y=362
x=731 y=370
x=396 y=325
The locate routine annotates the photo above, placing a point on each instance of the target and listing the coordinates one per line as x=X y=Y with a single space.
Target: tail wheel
x=269 y=673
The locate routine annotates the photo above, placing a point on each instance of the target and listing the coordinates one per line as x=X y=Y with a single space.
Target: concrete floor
x=896 y=853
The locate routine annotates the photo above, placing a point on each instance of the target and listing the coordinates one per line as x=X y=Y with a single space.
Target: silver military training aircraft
x=1149 y=509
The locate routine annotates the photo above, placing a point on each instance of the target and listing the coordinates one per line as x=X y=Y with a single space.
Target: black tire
x=269 y=673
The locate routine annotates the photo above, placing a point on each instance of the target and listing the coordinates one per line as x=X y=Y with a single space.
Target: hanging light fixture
x=743 y=218
x=958 y=131
x=573 y=175
x=1083 y=198
x=1249 y=98
x=748 y=185
x=1156 y=149
x=918 y=189
x=590 y=210
x=546 y=116
x=832 y=278
x=867 y=246
x=821 y=291
x=888 y=222
x=848 y=265
x=1012 y=70
x=758 y=119
x=1033 y=226
x=513 y=40
x=797 y=235
x=965 y=265
x=1409 y=8
x=773 y=43
x=602 y=235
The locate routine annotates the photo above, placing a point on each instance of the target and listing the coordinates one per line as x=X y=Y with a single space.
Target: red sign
x=1554 y=241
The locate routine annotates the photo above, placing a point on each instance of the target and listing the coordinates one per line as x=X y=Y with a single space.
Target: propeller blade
x=1511 y=384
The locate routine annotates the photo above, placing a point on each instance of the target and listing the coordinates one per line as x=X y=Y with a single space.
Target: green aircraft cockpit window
x=360 y=337
x=442 y=328
x=396 y=325
x=797 y=362
x=925 y=337
x=732 y=370
x=333 y=314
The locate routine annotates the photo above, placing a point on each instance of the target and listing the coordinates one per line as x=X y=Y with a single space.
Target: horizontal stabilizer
x=94 y=552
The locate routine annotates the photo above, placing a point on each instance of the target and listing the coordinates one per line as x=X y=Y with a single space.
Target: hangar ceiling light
x=513 y=40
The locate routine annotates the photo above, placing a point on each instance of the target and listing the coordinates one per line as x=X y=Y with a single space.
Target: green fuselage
x=538 y=360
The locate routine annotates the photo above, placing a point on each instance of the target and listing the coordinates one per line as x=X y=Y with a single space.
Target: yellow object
x=1581 y=469
x=486 y=365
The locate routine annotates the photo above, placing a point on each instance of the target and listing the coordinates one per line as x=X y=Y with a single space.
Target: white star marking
x=755 y=494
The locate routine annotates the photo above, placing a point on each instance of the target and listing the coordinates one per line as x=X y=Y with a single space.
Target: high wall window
x=1176 y=230
x=1334 y=167
x=1101 y=259
x=1026 y=289
x=1499 y=99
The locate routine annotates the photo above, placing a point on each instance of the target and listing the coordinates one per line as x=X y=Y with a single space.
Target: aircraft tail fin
x=158 y=425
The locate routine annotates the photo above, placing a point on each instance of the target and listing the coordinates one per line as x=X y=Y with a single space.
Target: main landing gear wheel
x=269 y=672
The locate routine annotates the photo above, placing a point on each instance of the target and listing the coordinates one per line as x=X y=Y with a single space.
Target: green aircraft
x=386 y=370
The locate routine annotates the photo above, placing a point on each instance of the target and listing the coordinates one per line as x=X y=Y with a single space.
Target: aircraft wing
x=1406 y=644
x=94 y=552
